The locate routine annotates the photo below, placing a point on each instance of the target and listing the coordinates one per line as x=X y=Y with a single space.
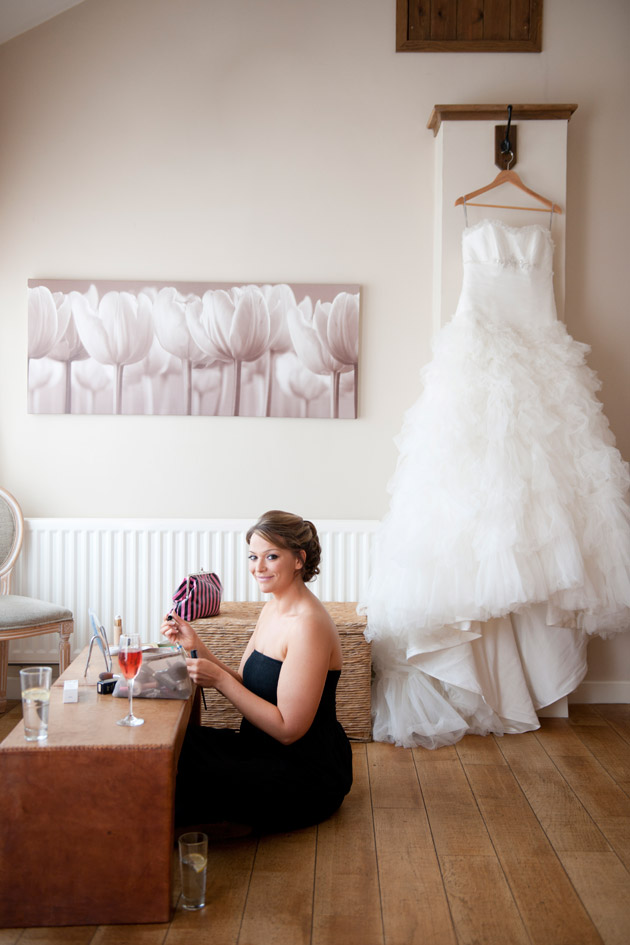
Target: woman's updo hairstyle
x=293 y=533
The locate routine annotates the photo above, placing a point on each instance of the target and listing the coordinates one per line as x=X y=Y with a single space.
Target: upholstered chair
x=23 y=616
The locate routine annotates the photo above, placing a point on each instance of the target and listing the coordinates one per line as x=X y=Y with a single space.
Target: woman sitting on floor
x=290 y=765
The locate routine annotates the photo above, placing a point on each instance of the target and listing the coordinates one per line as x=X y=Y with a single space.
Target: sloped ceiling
x=18 y=16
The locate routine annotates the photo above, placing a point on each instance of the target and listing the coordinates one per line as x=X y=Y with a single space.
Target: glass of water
x=35 y=684
x=193 y=863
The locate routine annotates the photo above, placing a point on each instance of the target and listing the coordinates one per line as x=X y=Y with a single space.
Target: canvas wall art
x=207 y=349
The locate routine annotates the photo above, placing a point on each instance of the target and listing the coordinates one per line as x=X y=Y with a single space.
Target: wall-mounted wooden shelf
x=442 y=113
x=469 y=25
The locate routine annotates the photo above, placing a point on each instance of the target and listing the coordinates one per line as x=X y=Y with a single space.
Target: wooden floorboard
x=481 y=902
x=605 y=801
x=546 y=900
x=479 y=897
x=565 y=821
x=519 y=840
x=603 y=885
x=346 y=902
x=456 y=823
x=393 y=778
x=610 y=749
x=618 y=717
x=414 y=901
x=279 y=904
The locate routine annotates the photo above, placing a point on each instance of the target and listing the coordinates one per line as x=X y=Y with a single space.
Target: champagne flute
x=129 y=660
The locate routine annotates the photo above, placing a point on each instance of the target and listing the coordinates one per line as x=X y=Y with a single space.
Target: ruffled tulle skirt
x=509 y=493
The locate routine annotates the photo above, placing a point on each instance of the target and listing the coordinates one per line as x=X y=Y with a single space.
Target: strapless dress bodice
x=508 y=272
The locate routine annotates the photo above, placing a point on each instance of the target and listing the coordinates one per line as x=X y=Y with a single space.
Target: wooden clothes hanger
x=508 y=177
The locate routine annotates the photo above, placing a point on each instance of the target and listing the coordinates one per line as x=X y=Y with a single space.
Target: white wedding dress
x=507 y=541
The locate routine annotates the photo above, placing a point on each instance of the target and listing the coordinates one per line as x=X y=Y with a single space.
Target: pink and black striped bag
x=199 y=595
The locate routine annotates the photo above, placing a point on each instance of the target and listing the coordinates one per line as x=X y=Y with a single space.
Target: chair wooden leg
x=4 y=671
x=65 y=632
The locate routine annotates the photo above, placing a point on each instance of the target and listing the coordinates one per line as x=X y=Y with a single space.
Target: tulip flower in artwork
x=48 y=319
x=43 y=375
x=280 y=299
x=170 y=311
x=298 y=383
x=325 y=338
x=91 y=378
x=233 y=326
x=69 y=348
x=153 y=373
x=255 y=386
x=343 y=333
x=207 y=383
x=119 y=331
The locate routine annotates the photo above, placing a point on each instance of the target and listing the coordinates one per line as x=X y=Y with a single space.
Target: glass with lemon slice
x=35 y=685
x=193 y=862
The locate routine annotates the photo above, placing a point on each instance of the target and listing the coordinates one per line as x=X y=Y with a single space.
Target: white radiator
x=132 y=567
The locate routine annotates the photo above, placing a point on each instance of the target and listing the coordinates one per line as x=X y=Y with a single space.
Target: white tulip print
x=326 y=338
x=298 y=382
x=280 y=300
x=343 y=334
x=233 y=326
x=154 y=374
x=207 y=384
x=44 y=381
x=170 y=312
x=118 y=331
x=47 y=320
x=68 y=349
x=92 y=378
x=206 y=349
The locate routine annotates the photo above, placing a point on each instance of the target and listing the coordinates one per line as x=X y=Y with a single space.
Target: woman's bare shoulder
x=315 y=627
x=311 y=608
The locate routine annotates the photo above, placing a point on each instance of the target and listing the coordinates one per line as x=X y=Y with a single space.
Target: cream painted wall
x=277 y=140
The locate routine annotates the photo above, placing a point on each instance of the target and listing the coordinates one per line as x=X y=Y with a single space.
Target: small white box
x=71 y=690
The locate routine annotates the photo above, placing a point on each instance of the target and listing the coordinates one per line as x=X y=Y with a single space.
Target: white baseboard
x=611 y=691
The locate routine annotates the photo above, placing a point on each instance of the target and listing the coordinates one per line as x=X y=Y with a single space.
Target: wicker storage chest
x=227 y=635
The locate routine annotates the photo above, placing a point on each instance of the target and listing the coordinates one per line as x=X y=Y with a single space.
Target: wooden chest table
x=228 y=633
x=86 y=831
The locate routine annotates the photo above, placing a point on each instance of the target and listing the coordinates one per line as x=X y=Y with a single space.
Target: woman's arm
x=300 y=685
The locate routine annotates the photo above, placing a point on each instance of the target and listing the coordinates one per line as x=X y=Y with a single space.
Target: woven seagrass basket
x=228 y=633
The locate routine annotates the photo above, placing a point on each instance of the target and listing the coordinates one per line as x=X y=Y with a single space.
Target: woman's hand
x=204 y=672
x=207 y=670
x=177 y=630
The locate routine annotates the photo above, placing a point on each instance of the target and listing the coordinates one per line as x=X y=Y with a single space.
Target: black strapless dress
x=249 y=777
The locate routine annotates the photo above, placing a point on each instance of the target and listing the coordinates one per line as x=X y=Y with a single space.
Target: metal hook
x=505 y=144
x=511 y=153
